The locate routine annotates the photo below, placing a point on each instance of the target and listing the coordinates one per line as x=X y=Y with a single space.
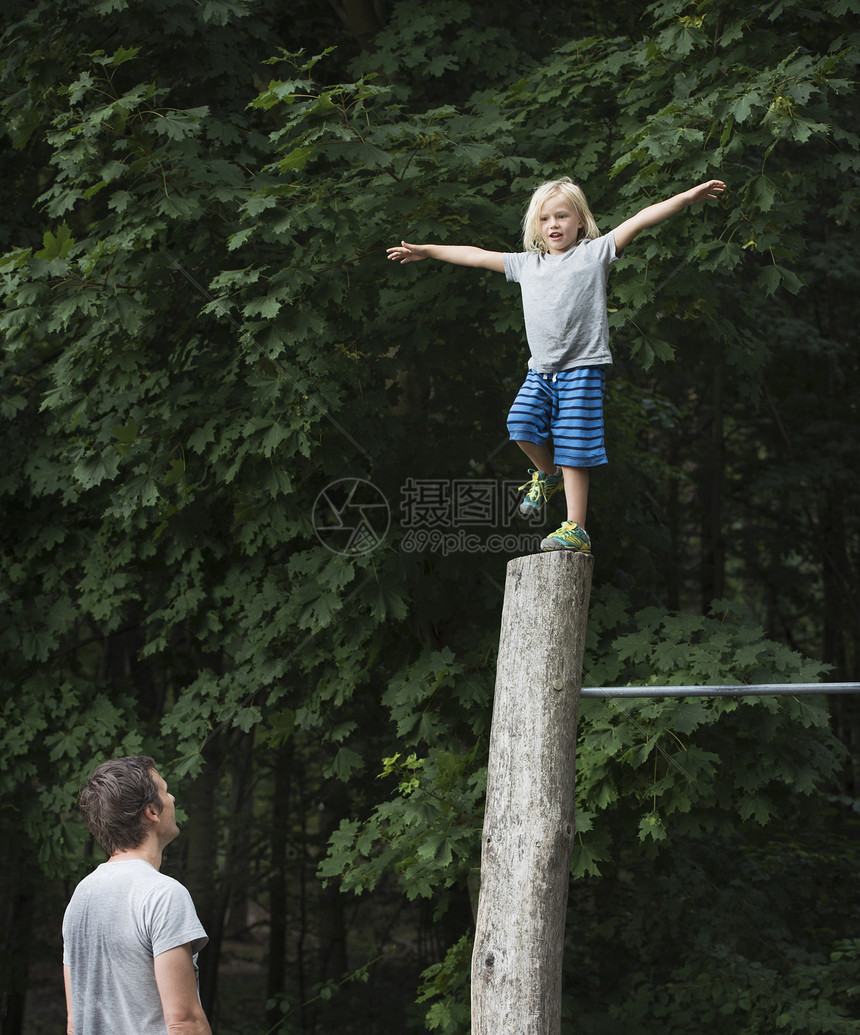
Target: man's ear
x=151 y=812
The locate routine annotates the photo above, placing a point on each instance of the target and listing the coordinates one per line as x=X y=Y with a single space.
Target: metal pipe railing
x=728 y=690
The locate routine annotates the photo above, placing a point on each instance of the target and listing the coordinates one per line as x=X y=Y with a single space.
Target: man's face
x=168 y=830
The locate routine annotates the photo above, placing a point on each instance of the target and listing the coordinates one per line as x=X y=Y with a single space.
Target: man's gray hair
x=114 y=799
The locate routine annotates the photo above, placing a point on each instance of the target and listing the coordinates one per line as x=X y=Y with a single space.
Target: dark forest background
x=208 y=365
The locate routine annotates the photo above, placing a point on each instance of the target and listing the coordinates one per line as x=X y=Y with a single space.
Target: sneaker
x=541 y=487
x=569 y=537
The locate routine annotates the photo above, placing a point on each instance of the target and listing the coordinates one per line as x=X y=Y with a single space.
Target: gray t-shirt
x=564 y=303
x=119 y=919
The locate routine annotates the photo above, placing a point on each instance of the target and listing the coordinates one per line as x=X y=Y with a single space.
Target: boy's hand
x=408 y=252
x=711 y=189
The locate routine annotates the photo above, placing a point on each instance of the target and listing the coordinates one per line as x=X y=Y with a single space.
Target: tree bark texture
x=529 y=817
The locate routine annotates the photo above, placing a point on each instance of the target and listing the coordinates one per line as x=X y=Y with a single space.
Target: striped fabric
x=567 y=405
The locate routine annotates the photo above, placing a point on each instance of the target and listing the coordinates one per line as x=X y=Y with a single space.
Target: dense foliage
x=209 y=367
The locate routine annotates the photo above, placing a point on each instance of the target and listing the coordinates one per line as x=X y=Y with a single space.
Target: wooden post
x=529 y=817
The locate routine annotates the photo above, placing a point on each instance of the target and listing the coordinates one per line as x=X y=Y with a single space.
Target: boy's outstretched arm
x=459 y=255
x=654 y=214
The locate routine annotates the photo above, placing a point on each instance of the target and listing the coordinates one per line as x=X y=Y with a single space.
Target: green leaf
x=56 y=247
x=95 y=469
x=125 y=433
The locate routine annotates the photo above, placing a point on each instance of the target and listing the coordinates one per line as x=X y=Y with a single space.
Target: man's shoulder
x=134 y=876
x=123 y=869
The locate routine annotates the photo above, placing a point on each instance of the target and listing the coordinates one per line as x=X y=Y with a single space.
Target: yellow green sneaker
x=540 y=488
x=569 y=537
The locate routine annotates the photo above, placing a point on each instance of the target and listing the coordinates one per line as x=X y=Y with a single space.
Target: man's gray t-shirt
x=119 y=919
x=564 y=303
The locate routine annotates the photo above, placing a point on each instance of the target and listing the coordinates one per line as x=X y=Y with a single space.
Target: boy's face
x=559 y=225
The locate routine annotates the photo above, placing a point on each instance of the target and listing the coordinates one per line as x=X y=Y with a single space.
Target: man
x=131 y=934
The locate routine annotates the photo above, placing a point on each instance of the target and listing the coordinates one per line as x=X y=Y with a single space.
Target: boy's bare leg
x=540 y=456
x=576 y=493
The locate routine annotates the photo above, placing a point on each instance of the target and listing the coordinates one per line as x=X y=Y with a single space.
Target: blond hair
x=564 y=188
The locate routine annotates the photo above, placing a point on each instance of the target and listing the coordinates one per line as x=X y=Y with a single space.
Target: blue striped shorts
x=567 y=405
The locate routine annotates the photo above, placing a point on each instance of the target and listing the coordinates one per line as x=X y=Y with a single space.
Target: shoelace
x=536 y=485
x=570 y=531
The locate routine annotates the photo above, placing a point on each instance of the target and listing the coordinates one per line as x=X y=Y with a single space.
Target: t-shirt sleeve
x=513 y=265
x=170 y=919
x=610 y=252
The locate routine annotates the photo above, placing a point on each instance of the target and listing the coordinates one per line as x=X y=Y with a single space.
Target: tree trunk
x=17 y=937
x=529 y=818
x=330 y=926
x=276 y=957
x=201 y=848
x=712 y=492
x=363 y=18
